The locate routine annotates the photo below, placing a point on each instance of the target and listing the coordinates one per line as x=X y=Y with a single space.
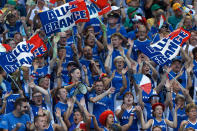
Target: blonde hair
x=190 y=106
x=117 y=58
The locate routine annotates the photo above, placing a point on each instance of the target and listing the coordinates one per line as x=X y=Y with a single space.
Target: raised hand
x=138 y=109
x=7 y=95
x=111 y=90
x=74 y=48
x=58 y=113
x=70 y=102
x=123 y=107
x=40 y=111
x=110 y=48
x=113 y=73
x=130 y=42
x=32 y=84
x=85 y=69
x=124 y=70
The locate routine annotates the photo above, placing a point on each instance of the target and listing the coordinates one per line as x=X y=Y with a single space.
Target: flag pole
x=174 y=78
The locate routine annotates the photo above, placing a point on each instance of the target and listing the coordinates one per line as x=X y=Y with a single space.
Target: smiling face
x=76 y=75
x=193 y=38
x=44 y=82
x=142 y=32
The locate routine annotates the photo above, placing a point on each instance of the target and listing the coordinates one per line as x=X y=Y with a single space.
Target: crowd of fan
x=125 y=89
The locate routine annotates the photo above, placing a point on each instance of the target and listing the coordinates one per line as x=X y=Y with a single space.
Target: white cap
x=115 y=8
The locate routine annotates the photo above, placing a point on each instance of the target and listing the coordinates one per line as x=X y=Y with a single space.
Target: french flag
x=161 y=21
x=5 y=48
x=144 y=82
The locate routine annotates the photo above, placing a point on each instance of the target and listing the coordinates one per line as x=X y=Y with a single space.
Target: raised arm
x=108 y=80
x=98 y=43
x=124 y=81
x=162 y=83
x=119 y=112
x=143 y=123
x=2 y=111
x=42 y=90
x=126 y=126
x=99 y=97
x=107 y=61
x=86 y=75
x=59 y=117
x=125 y=58
x=173 y=124
x=70 y=103
x=97 y=128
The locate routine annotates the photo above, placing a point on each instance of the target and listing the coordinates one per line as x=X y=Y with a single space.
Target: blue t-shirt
x=112 y=31
x=35 y=108
x=5 y=86
x=95 y=23
x=181 y=115
x=117 y=84
x=195 y=67
x=162 y=124
x=100 y=106
x=182 y=77
x=10 y=102
x=40 y=72
x=193 y=125
x=63 y=107
x=50 y=128
x=116 y=53
x=136 y=46
x=125 y=119
x=9 y=121
x=13 y=29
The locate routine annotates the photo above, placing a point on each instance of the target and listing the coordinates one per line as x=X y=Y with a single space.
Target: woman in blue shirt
x=158 y=120
x=107 y=120
x=191 y=111
x=126 y=110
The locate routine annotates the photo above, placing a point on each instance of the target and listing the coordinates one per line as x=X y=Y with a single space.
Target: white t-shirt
x=38 y=10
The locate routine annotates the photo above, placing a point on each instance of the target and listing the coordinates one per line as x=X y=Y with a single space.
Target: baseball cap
x=177 y=58
x=131 y=9
x=176 y=6
x=113 y=14
x=155 y=7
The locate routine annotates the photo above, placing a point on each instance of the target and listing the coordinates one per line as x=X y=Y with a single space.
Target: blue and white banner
x=66 y=16
x=23 y=54
x=166 y=49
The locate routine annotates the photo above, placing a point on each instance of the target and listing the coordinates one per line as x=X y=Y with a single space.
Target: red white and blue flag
x=163 y=51
x=23 y=54
x=64 y=17
x=144 y=82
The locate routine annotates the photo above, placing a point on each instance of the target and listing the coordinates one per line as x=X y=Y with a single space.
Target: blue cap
x=177 y=58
